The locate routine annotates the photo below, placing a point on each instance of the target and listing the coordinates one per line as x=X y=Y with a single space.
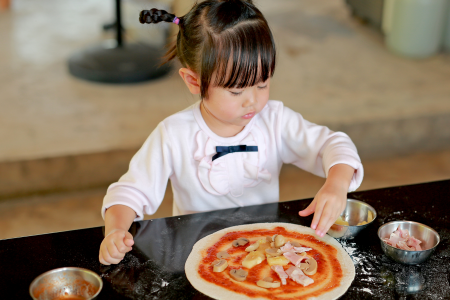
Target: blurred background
x=78 y=96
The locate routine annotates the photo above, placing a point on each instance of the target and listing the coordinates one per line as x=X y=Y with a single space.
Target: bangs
x=239 y=57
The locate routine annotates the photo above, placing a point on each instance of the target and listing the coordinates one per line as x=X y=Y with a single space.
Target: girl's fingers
x=119 y=244
x=111 y=254
x=317 y=216
x=309 y=210
x=101 y=259
x=328 y=222
x=328 y=225
x=324 y=220
x=121 y=248
x=105 y=255
x=128 y=240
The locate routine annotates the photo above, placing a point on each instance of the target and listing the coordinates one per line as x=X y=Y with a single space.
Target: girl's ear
x=191 y=79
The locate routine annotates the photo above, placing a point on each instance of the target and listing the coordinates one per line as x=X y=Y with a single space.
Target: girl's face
x=227 y=111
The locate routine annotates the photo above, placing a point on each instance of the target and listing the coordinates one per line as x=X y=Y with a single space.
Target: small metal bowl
x=356 y=211
x=429 y=237
x=64 y=283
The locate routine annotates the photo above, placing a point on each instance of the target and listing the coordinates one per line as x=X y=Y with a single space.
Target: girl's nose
x=251 y=100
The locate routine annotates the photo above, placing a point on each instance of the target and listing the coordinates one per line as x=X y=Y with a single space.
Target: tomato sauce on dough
x=328 y=276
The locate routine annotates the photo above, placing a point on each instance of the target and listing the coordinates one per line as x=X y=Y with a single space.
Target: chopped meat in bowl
x=401 y=239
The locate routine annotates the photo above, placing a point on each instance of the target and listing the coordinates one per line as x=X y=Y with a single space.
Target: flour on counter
x=367 y=290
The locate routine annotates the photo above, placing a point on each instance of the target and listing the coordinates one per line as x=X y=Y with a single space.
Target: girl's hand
x=114 y=246
x=328 y=204
x=331 y=199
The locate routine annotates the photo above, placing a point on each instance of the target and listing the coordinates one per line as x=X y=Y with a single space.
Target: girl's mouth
x=249 y=116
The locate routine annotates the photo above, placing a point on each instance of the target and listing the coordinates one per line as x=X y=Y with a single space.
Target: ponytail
x=155 y=16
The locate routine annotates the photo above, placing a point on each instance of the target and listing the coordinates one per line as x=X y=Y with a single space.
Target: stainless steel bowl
x=356 y=211
x=65 y=282
x=429 y=237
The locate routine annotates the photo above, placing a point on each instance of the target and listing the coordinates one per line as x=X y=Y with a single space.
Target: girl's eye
x=235 y=93
x=262 y=87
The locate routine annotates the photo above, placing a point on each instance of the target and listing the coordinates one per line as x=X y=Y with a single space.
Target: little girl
x=227 y=149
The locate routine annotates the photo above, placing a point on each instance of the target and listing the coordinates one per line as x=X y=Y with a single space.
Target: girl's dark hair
x=229 y=37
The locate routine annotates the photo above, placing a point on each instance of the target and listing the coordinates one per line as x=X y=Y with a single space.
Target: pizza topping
x=295 y=244
x=297 y=275
x=252 y=247
x=238 y=275
x=301 y=249
x=294 y=258
x=252 y=259
x=279 y=260
x=279 y=240
x=269 y=239
x=268 y=283
x=263 y=245
x=219 y=265
x=287 y=247
x=223 y=254
x=280 y=272
x=272 y=252
x=309 y=267
x=240 y=242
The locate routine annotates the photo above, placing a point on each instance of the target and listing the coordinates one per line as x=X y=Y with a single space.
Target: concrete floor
x=74 y=137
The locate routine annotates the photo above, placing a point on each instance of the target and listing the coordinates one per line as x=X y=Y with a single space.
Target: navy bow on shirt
x=224 y=150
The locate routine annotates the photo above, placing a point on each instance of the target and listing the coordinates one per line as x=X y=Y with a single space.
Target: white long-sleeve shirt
x=182 y=146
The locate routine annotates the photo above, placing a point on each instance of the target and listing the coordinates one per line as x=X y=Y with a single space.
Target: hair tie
x=176 y=20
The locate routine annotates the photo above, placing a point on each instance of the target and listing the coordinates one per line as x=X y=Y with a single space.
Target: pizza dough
x=218 y=292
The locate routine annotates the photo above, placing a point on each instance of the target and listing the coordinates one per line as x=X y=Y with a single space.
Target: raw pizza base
x=218 y=292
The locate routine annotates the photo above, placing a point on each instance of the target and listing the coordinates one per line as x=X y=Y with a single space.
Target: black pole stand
x=117 y=62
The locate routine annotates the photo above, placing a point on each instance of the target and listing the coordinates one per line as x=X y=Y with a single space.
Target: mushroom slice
x=240 y=242
x=295 y=244
x=223 y=254
x=312 y=266
x=269 y=239
x=238 y=274
x=219 y=265
x=268 y=283
x=279 y=241
x=303 y=266
x=252 y=247
x=272 y=252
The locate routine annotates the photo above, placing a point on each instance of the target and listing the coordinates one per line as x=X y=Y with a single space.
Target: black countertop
x=154 y=269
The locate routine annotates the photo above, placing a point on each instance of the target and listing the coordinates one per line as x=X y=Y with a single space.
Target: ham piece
x=413 y=242
x=289 y=247
x=281 y=273
x=401 y=239
x=301 y=249
x=293 y=257
x=297 y=275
